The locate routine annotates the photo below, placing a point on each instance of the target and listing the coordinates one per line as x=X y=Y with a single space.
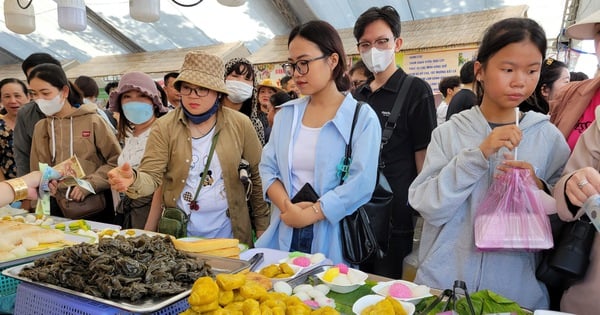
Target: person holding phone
x=308 y=143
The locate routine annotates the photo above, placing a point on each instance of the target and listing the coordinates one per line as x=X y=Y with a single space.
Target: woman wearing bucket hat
x=194 y=151
x=138 y=102
x=240 y=81
x=265 y=89
x=572 y=111
x=310 y=135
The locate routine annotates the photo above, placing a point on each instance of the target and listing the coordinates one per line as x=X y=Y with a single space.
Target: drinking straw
x=517 y=116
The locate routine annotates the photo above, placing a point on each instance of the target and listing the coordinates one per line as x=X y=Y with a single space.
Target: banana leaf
x=484 y=302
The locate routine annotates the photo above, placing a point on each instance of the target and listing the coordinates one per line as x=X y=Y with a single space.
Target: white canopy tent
x=110 y=30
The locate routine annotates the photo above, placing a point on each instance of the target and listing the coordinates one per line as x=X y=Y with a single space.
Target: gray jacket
x=454 y=180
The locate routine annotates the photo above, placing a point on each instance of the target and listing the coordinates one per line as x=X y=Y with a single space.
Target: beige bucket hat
x=202 y=69
x=584 y=29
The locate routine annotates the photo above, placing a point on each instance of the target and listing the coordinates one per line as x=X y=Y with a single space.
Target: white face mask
x=377 y=60
x=238 y=91
x=50 y=107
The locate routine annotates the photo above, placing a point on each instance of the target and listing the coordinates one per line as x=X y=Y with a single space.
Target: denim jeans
x=302 y=239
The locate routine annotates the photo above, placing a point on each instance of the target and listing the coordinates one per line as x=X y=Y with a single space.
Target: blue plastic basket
x=37 y=300
x=8 y=292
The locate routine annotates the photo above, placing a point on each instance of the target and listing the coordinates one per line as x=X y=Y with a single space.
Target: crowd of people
x=186 y=143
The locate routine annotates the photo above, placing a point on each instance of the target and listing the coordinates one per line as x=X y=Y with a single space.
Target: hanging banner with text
x=433 y=66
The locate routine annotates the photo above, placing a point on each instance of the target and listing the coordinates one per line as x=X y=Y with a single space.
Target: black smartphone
x=306 y=193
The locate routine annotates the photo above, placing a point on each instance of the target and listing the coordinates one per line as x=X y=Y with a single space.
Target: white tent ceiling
x=112 y=31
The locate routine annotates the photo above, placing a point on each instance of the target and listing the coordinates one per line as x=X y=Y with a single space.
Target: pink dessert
x=399 y=290
x=311 y=303
x=301 y=261
x=343 y=268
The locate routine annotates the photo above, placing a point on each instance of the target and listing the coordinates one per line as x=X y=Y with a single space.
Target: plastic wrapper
x=512 y=216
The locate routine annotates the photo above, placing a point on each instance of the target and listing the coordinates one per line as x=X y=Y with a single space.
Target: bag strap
x=344 y=168
x=390 y=124
x=387 y=132
x=207 y=165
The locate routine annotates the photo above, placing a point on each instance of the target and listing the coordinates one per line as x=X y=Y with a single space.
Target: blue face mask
x=138 y=112
x=198 y=119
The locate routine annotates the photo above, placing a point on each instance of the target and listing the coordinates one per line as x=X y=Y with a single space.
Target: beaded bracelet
x=19 y=186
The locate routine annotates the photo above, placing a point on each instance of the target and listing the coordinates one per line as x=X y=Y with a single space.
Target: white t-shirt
x=211 y=219
x=303 y=157
x=441 y=113
x=133 y=150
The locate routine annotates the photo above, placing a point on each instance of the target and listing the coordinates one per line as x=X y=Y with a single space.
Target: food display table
x=38 y=298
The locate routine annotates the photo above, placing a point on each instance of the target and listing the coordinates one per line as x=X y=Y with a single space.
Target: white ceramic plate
x=358 y=276
x=382 y=288
x=316 y=259
x=270 y=256
x=371 y=299
x=296 y=269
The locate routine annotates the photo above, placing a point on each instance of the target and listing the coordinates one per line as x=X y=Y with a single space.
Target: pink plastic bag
x=512 y=215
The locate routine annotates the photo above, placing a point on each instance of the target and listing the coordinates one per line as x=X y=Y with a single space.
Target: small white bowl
x=358 y=276
x=371 y=299
x=382 y=288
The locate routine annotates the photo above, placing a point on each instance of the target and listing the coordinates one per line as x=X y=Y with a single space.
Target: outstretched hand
x=120 y=178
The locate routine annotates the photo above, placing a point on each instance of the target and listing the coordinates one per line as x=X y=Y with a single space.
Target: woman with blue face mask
x=137 y=100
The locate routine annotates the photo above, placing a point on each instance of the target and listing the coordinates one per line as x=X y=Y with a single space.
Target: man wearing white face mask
x=240 y=81
x=377 y=32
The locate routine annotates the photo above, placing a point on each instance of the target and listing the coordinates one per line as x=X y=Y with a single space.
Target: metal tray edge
x=13 y=272
x=69 y=236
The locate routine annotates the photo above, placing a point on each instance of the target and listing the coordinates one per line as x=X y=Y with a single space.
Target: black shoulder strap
x=345 y=167
x=390 y=124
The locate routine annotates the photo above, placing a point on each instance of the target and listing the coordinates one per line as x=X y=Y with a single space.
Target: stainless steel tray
x=31 y=256
x=146 y=305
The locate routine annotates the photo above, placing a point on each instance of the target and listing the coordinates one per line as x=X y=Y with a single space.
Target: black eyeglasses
x=380 y=43
x=301 y=66
x=186 y=90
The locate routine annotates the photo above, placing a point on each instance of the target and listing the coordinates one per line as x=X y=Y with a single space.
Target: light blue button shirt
x=336 y=201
